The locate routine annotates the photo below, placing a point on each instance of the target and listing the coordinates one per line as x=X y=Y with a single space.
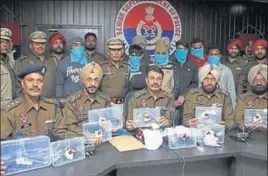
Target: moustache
x=155 y=85
x=92 y=87
x=35 y=89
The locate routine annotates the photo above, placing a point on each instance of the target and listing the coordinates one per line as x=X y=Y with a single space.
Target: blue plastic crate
x=208 y=115
x=179 y=139
x=67 y=151
x=257 y=117
x=93 y=130
x=114 y=114
x=25 y=154
x=145 y=117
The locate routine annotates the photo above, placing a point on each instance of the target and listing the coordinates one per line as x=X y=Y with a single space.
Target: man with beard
x=88 y=98
x=256 y=98
x=37 y=43
x=152 y=96
x=90 y=45
x=260 y=52
x=237 y=65
x=209 y=95
x=9 y=83
x=249 y=52
x=57 y=43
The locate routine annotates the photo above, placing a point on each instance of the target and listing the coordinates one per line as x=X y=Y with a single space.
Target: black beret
x=32 y=68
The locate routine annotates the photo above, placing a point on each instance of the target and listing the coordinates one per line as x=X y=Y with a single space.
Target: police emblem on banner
x=151 y=19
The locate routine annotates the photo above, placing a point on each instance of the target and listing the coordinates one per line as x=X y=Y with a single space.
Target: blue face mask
x=181 y=55
x=198 y=52
x=78 y=55
x=161 y=59
x=134 y=63
x=215 y=60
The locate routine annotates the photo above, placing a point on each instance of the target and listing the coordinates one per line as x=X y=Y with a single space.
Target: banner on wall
x=151 y=19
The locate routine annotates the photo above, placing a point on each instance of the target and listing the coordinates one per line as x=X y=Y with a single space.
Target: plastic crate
x=67 y=151
x=25 y=154
x=145 y=117
x=208 y=115
x=180 y=137
x=114 y=114
x=257 y=117
x=93 y=130
x=219 y=131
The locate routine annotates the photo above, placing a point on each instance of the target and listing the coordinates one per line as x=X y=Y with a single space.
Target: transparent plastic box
x=257 y=117
x=67 y=151
x=114 y=114
x=25 y=154
x=145 y=117
x=208 y=115
x=219 y=132
x=179 y=139
x=94 y=130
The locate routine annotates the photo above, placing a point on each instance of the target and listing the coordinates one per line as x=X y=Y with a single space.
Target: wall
x=214 y=22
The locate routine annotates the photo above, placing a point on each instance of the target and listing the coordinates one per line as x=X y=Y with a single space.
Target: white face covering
x=152 y=139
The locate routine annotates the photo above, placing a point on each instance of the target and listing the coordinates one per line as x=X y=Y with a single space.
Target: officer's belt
x=117 y=100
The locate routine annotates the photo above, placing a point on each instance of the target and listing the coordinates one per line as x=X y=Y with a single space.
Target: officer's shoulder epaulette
x=245 y=95
x=22 y=57
x=50 y=101
x=104 y=62
x=194 y=91
x=73 y=97
x=124 y=62
x=13 y=104
x=167 y=95
x=224 y=92
x=104 y=97
x=139 y=93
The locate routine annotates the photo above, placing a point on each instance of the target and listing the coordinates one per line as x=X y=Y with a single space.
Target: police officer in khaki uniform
x=208 y=95
x=78 y=104
x=237 y=64
x=257 y=98
x=38 y=46
x=152 y=96
x=115 y=82
x=10 y=86
x=30 y=114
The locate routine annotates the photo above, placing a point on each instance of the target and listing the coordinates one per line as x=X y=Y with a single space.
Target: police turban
x=261 y=68
x=209 y=69
x=260 y=42
x=92 y=67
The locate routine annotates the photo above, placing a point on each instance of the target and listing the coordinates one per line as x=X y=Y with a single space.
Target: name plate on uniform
x=25 y=154
x=214 y=129
x=145 y=117
x=98 y=130
x=256 y=117
x=113 y=114
x=208 y=115
x=181 y=137
x=67 y=151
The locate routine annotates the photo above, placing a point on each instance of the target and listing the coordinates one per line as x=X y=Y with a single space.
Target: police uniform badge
x=108 y=71
x=24 y=120
x=30 y=62
x=143 y=103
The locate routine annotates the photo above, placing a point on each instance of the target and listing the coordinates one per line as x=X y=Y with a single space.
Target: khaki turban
x=261 y=68
x=92 y=67
x=206 y=69
x=162 y=45
x=139 y=40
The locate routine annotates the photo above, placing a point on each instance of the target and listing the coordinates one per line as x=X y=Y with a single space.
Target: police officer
x=115 y=82
x=37 y=44
x=208 y=95
x=78 y=104
x=237 y=65
x=161 y=59
x=30 y=114
x=256 y=98
x=9 y=83
x=152 y=96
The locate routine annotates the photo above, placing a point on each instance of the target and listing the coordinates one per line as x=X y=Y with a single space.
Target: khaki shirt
x=238 y=66
x=115 y=82
x=248 y=100
x=97 y=57
x=197 y=97
x=20 y=116
x=49 y=88
x=143 y=99
x=76 y=109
